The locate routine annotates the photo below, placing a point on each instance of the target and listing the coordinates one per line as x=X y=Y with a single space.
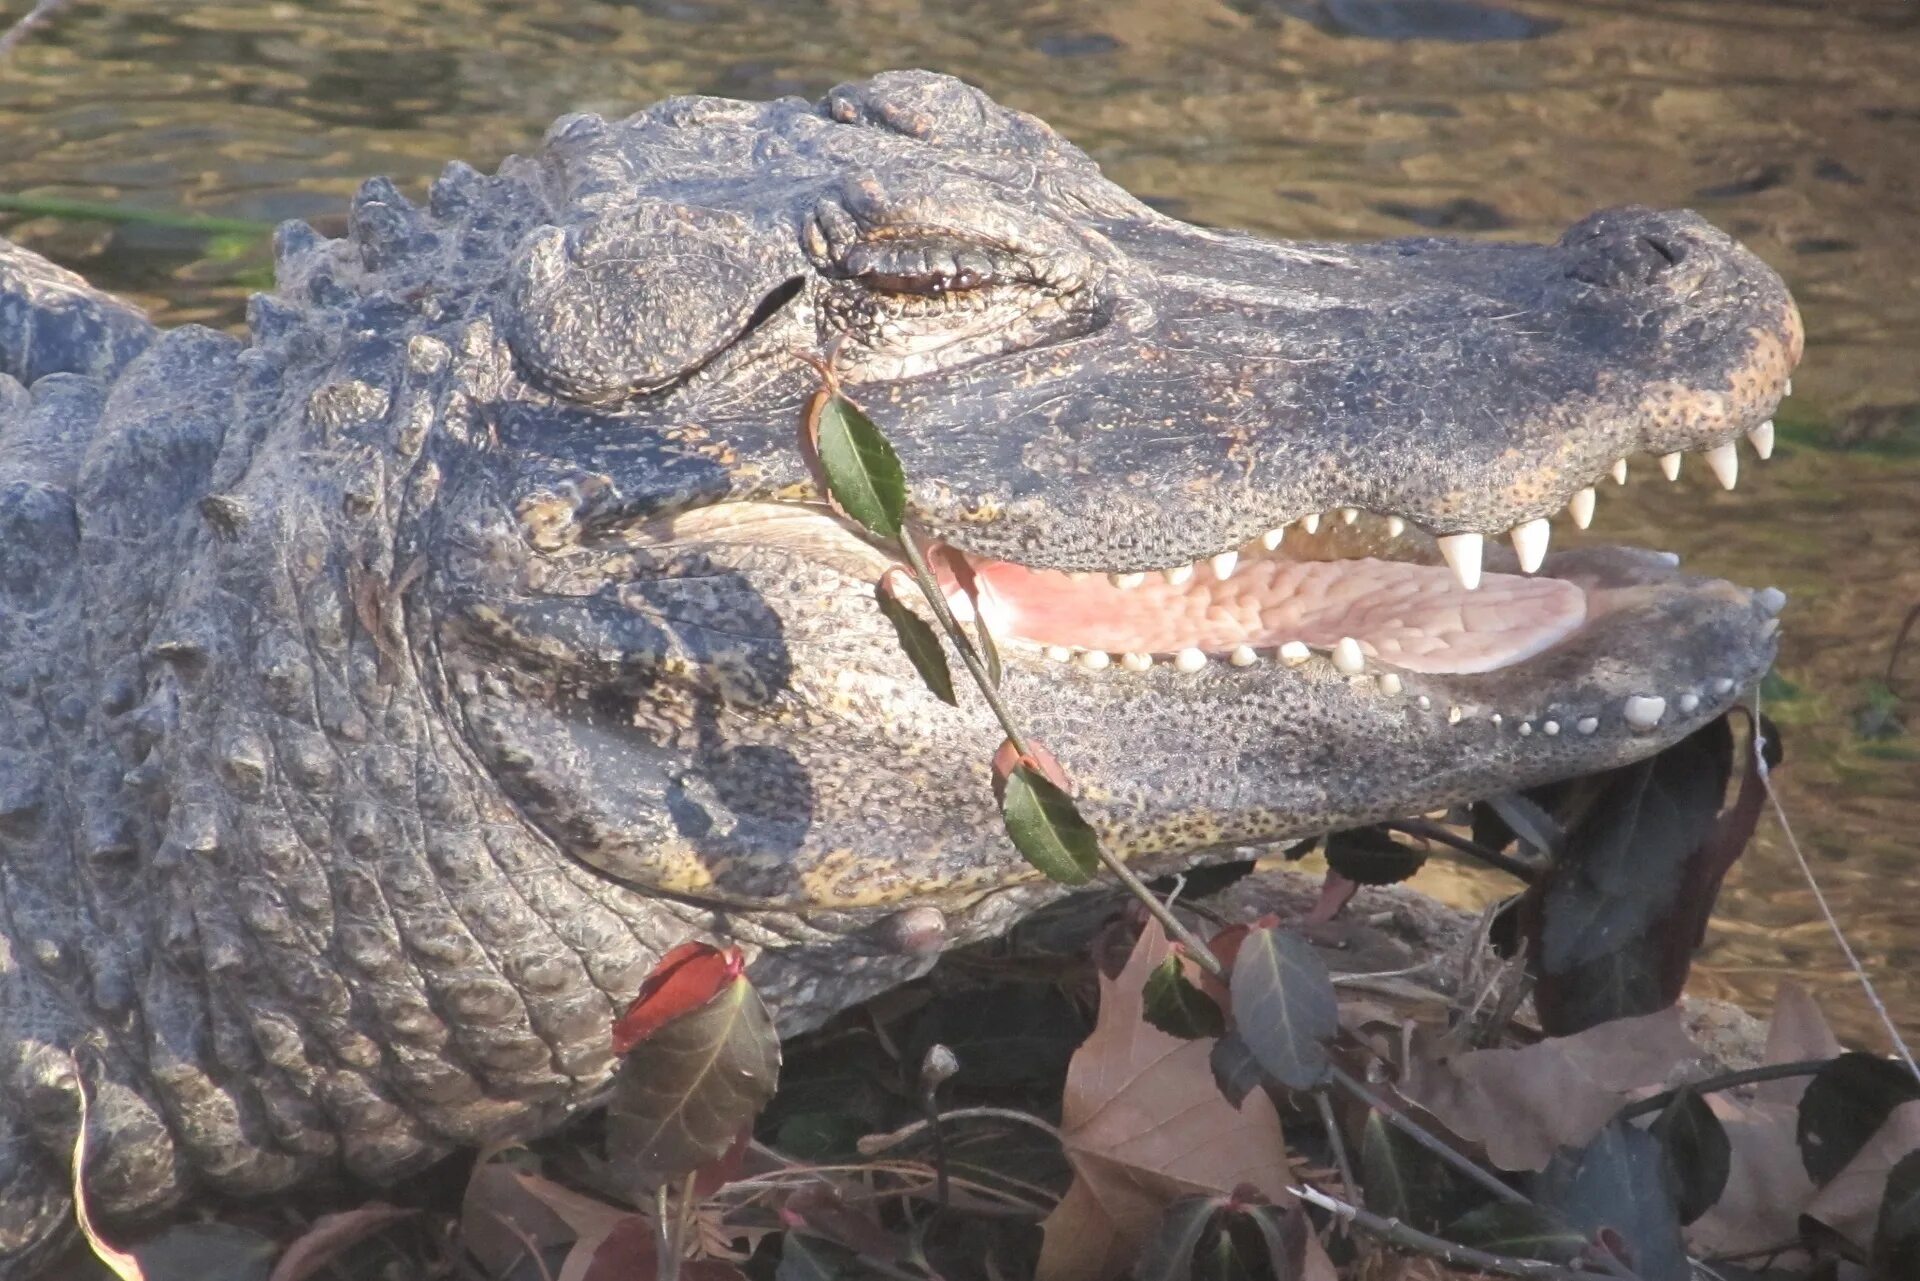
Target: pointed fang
x=1670 y=466
x=1725 y=462
x=1530 y=544
x=1463 y=553
x=1761 y=438
x=1580 y=507
x=1347 y=657
x=1223 y=565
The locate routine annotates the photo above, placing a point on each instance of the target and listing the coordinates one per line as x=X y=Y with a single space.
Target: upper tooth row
x=1464 y=552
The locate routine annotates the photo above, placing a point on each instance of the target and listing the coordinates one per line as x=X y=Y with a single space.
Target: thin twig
x=1439 y=835
x=1806 y=870
x=19 y=31
x=876 y=1143
x=668 y=1259
x=1338 y=1141
x=1394 y=1232
x=1726 y=1081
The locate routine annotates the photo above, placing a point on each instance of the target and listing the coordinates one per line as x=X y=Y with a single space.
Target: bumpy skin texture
x=380 y=695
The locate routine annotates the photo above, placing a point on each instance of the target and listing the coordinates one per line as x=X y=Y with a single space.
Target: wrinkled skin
x=381 y=694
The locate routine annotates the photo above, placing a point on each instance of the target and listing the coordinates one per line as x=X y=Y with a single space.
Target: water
x=1794 y=125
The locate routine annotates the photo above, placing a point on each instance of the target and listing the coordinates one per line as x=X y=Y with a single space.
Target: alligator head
x=1238 y=509
x=379 y=697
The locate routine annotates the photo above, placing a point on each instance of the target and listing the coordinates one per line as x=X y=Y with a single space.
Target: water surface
x=1794 y=125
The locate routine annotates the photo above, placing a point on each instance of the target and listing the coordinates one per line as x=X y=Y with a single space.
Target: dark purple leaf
x=1284 y=1007
x=1699 y=1155
x=1844 y=1104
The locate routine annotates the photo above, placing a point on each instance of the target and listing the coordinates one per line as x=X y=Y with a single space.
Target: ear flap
x=634 y=300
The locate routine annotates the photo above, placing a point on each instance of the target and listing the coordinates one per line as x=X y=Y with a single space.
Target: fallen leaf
x=1143 y=1125
x=508 y=1214
x=330 y=1235
x=1850 y=1202
x=1523 y=1104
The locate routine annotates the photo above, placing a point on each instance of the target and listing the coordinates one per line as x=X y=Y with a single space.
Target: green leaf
x=1844 y=1104
x=862 y=470
x=1236 y=1073
x=1047 y=829
x=685 y=1092
x=1896 y=1236
x=922 y=645
x=1178 y=1008
x=1369 y=856
x=1525 y=1231
x=1402 y=1180
x=1168 y=1253
x=1617 y=1187
x=1284 y=1007
x=1698 y=1153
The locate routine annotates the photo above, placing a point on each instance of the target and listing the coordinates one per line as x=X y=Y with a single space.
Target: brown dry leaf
x=1143 y=1123
x=1850 y=1203
x=508 y=1213
x=331 y=1234
x=1522 y=1104
x=1767 y=1184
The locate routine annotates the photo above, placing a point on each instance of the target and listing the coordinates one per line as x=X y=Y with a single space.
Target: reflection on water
x=1795 y=125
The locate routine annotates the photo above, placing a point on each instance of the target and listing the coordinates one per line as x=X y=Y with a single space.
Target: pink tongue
x=1414 y=617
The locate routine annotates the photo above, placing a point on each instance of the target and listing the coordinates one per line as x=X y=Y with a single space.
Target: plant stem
x=1338 y=1141
x=1439 y=835
x=923 y=578
x=1726 y=1081
x=1399 y=1121
x=1394 y=1232
x=667 y=1262
x=876 y=1143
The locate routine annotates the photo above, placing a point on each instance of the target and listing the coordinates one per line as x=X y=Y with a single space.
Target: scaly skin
x=380 y=695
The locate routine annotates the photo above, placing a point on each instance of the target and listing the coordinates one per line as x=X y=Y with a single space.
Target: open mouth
x=1364 y=591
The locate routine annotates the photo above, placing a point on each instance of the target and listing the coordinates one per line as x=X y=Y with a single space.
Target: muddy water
x=1795 y=125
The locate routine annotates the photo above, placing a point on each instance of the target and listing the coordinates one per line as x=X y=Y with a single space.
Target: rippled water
x=1794 y=125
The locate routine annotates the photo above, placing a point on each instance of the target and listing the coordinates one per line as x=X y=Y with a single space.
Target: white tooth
x=1453 y=715
x=1223 y=565
x=1580 y=507
x=1530 y=544
x=1094 y=660
x=1136 y=662
x=1271 y=539
x=1184 y=574
x=1587 y=724
x=1672 y=558
x=1348 y=658
x=1761 y=438
x=1526 y=729
x=1242 y=656
x=1395 y=527
x=1126 y=582
x=1189 y=661
x=1723 y=685
x=1643 y=711
x=1687 y=702
x=1771 y=599
x=1349 y=514
x=1311 y=523
x=1294 y=653
x=1550 y=728
x=1725 y=461
x=1462 y=552
x=1769 y=627
x=1390 y=683
x=1426 y=704
x=1619 y=472
x=1496 y=720
x=1670 y=466
x=1059 y=653
x=1788 y=389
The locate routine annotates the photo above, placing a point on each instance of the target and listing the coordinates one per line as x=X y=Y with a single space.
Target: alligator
x=383 y=691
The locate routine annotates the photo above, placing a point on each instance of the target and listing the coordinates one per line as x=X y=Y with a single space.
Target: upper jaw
x=1464 y=388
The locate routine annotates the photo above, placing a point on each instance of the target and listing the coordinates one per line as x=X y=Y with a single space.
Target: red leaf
x=725 y=1168
x=1336 y=891
x=1038 y=758
x=685 y=979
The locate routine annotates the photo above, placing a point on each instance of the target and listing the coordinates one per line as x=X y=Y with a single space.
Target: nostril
x=1671 y=250
x=1627 y=262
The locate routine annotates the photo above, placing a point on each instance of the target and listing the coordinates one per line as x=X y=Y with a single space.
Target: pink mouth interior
x=1413 y=617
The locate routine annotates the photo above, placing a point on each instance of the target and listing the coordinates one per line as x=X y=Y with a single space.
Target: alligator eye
x=924 y=284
